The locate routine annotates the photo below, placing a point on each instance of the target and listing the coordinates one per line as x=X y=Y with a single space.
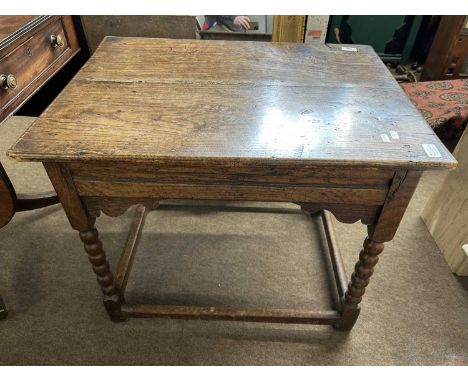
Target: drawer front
x=271 y=193
x=250 y=182
x=34 y=61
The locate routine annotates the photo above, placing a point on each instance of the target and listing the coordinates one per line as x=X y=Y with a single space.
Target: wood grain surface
x=189 y=100
x=11 y=23
x=98 y=27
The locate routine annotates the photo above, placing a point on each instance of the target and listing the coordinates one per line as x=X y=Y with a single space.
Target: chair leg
x=28 y=202
x=3 y=309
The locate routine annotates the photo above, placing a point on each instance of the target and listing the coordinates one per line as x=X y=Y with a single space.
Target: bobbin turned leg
x=112 y=297
x=383 y=230
x=81 y=220
x=368 y=258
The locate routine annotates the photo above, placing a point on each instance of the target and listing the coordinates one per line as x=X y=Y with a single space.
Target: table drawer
x=29 y=65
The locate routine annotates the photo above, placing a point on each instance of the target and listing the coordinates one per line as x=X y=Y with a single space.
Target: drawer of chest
x=23 y=69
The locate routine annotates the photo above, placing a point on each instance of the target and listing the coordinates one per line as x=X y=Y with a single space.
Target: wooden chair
x=12 y=202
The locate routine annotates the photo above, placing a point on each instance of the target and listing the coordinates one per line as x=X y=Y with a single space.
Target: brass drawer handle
x=56 y=41
x=8 y=81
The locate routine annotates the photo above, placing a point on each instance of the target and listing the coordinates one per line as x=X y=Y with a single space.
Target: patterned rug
x=444 y=105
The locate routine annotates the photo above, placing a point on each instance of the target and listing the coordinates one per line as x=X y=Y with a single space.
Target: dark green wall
x=377 y=31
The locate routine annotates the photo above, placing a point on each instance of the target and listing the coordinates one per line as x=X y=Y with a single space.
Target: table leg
x=399 y=195
x=97 y=257
x=382 y=229
x=368 y=258
x=81 y=220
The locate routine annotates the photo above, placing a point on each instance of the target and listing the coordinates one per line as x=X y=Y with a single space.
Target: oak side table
x=325 y=127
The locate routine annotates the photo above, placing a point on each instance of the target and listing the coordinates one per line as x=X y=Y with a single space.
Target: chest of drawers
x=33 y=50
x=31 y=55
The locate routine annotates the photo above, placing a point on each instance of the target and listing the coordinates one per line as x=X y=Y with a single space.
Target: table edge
x=446 y=164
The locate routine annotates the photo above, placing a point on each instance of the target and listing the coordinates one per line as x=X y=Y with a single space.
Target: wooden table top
x=140 y=99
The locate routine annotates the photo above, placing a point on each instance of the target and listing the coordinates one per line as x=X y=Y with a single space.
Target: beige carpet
x=415 y=311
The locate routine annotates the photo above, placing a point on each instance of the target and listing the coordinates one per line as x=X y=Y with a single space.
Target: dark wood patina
x=148 y=120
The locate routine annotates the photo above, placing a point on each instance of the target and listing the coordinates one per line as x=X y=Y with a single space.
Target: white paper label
x=394 y=134
x=431 y=150
x=348 y=49
x=385 y=137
